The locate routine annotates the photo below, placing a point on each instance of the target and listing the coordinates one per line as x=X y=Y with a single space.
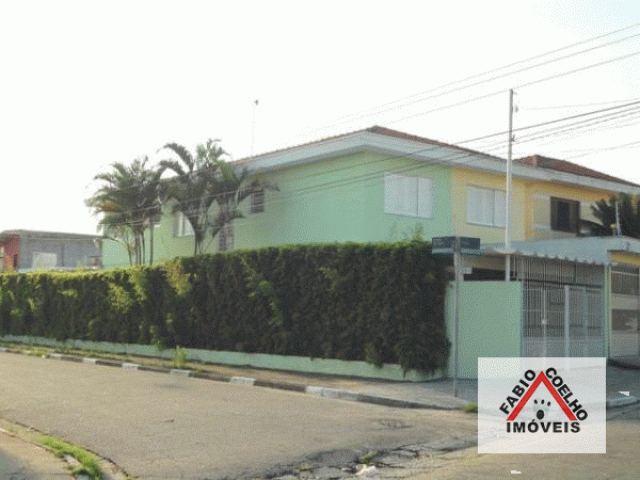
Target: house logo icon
x=573 y=411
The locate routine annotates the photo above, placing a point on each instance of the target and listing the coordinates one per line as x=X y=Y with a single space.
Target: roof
x=538 y=161
x=378 y=130
x=39 y=234
x=581 y=249
x=401 y=144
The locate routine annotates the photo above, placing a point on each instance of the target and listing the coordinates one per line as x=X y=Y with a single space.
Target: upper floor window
x=565 y=215
x=257 y=201
x=486 y=206
x=181 y=225
x=412 y=196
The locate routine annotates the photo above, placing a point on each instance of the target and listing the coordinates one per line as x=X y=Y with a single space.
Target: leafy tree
x=605 y=211
x=128 y=202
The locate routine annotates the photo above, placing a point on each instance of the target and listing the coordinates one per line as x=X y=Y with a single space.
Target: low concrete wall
x=489 y=324
x=257 y=360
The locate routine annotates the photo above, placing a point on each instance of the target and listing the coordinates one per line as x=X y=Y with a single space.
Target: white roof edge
x=432 y=153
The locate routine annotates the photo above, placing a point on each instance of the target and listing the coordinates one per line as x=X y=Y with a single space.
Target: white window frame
x=486 y=206
x=181 y=226
x=408 y=196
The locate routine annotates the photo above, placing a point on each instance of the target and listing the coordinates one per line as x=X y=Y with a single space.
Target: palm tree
x=204 y=179
x=622 y=209
x=194 y=184
x=129 y=202
x=232 y=188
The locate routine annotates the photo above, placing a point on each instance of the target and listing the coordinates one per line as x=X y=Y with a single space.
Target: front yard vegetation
x=380 y=303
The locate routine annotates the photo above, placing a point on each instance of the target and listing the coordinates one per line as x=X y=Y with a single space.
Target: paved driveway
x=162 y=426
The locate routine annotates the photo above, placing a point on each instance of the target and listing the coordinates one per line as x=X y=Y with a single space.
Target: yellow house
x=580 y=293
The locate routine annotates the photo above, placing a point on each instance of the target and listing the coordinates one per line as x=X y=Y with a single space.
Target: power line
x=571 y=72
x=383 y=108
x=374 y=175
x=472 y=156
x=534 y=82
x=567 y=107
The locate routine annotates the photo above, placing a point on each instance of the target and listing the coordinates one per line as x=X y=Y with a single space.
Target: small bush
x=470 y=408
x=88 y=464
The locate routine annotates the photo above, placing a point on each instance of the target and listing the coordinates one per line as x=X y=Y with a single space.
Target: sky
x=85 y=84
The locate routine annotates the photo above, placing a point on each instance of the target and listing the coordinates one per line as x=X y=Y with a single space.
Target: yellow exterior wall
x=539 y=215
x=626 y=259
x=463 y=178
x=530 y=209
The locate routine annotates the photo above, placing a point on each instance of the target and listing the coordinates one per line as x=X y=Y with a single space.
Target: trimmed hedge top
x=382 y=303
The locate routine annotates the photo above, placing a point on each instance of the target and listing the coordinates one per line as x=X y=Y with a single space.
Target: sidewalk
x=21 y=460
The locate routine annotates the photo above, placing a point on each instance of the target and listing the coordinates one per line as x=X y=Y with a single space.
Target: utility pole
x=457 y=273
x=507 y=227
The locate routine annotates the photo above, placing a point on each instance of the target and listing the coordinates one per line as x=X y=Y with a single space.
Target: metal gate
x=563 y=321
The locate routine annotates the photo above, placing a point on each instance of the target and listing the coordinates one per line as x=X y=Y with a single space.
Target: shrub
x=380 y=303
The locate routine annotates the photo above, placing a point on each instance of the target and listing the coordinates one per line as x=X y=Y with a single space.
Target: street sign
x=446 y=246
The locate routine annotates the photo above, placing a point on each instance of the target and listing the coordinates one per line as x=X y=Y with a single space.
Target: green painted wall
x=273 y=362
x=489 y=325
x=331 y=200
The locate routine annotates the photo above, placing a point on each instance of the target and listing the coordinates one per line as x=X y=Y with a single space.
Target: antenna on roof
x=253 y=126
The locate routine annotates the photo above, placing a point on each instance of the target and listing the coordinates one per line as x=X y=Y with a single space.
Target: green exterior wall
x=272 y=362
x=332 y=200
x=489 y=324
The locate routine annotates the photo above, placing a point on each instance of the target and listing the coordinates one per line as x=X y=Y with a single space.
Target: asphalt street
x=159 y=426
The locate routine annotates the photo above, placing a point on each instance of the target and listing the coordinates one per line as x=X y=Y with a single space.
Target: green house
x=566 y=295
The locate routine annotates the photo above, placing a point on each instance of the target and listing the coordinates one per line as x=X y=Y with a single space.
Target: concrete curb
x=247 y=381
x=621 y=363
x=620 y=402
x=317 y=391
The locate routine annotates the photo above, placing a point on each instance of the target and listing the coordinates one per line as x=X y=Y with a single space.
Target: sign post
x=456 y=246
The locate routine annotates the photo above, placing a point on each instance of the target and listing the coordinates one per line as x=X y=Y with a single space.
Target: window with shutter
x=486 y=206
x=410 y=196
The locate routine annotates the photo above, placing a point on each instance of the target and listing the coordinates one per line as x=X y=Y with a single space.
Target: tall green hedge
x=383 y=303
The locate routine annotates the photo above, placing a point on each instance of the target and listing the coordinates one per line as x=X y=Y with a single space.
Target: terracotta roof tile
x=536 y=161
x=539 y=161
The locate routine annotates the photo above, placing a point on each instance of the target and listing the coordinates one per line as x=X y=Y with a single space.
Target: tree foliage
x=628 y=216
x=380 y=303
x=128 y=203
x=205 y=179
